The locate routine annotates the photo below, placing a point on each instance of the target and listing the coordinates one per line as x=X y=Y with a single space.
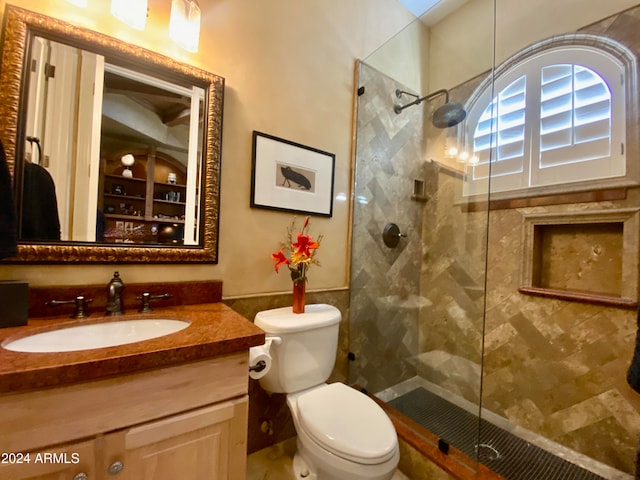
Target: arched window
x=556 y=114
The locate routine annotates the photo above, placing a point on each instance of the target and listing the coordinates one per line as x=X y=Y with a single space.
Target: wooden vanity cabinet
x=194 y=445
x=186 y=422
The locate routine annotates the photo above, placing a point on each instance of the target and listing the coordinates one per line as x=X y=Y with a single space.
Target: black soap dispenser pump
x=114 y=295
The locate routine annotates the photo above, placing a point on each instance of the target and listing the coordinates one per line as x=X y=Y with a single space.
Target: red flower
x=280 y=259
x=304 y=245
x=297 y=255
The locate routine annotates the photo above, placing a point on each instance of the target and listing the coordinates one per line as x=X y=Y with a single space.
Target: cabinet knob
x=81 y=476
x=115 y=468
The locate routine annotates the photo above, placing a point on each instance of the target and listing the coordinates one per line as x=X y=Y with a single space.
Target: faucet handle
x=146 y=298
x=81 y=303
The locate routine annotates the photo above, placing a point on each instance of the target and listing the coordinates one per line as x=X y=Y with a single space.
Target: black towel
x=40 y=219
x=633 y=374
x=8 y=227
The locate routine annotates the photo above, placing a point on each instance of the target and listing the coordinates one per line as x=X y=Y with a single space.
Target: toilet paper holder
x=260 y=365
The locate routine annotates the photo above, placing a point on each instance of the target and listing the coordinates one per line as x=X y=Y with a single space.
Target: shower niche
x=590 y=257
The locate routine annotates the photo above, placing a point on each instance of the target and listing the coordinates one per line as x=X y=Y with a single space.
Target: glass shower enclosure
x=450 y=324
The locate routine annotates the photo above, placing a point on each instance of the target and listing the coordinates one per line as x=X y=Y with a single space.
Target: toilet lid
x=347 y=423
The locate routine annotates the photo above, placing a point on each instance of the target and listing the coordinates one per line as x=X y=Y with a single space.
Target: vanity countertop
x=215 y=330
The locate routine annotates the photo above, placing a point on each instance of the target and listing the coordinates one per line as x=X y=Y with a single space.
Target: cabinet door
x=207 y=443
x=74 y=461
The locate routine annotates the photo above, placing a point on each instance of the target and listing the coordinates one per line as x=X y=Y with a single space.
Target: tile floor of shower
x=509 y=450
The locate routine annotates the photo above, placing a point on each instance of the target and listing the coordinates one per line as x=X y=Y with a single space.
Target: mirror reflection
x=114 y=149
x=111 y=154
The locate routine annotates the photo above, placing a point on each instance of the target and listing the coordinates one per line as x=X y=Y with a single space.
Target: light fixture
x=466 y=158
x=451 y=147
x=131 y=12
x=78 y=3
x=127 y=161
x=184 y=25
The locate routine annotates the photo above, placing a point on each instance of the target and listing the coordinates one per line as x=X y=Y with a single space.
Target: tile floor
x=274 y=463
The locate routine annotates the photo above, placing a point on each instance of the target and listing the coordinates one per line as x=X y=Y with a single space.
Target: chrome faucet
x=114 y=295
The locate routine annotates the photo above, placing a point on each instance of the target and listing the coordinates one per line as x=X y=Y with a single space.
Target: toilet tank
x=307 y=353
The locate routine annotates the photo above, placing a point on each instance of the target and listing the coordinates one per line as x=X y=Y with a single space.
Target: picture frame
x=291 y=177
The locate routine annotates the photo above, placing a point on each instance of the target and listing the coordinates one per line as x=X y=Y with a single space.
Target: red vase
x=298 y=296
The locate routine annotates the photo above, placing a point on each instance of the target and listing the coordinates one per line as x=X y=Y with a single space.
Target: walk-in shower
x=442 y=326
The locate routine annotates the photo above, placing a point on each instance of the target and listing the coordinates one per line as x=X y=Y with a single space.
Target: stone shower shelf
x=583 y=297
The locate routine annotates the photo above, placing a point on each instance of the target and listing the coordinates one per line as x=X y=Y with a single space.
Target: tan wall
x=411 y=42
x=462 y=44
x=289 y=72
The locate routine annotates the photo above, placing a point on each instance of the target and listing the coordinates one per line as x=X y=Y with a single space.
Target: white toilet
x=342 y=433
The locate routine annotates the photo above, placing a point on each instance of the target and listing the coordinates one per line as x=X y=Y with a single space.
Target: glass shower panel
x=555 y=368
x=417 y=302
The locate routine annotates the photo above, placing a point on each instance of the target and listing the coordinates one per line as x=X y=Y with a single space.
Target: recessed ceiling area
x=418 y=7
x=431 y=12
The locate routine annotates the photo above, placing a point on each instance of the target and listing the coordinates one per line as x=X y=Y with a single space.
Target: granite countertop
x=215 y=330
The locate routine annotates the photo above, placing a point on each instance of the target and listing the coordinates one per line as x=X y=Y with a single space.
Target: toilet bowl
x=342 y=433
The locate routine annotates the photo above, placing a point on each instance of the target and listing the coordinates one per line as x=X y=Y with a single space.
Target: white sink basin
x=97 y=335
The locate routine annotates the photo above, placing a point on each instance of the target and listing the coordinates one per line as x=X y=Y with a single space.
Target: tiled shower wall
x=453 y=275
x=385 y=281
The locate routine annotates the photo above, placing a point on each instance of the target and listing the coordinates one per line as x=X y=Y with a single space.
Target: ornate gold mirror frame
x=19 y=26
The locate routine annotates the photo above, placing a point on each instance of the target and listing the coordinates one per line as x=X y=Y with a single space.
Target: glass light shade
x=127 y=160
x=78 y=3
x=184 y=25
x=131 y=12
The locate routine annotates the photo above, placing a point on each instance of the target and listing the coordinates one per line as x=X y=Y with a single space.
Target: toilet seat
x=347 y=423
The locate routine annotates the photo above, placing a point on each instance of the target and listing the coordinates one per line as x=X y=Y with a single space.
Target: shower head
x=448 y=115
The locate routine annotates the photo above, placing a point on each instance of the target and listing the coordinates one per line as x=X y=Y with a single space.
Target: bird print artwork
x=292 y=176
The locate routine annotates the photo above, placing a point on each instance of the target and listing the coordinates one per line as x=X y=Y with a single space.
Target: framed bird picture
x=291 y=177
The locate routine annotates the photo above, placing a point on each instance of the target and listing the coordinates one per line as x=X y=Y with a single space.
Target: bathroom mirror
x=134 y=166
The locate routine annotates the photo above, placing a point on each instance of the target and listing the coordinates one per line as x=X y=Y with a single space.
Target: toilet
x=342 y=434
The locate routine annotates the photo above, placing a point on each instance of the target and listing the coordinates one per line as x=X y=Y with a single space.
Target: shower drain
x=486 y=452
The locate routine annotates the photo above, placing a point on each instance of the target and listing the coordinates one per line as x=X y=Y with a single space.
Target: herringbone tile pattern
x=385 y=281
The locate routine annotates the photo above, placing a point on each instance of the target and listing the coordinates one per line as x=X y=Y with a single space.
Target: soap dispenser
x=114 y=295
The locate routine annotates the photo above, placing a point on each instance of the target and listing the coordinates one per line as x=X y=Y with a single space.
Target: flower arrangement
x=297 y=252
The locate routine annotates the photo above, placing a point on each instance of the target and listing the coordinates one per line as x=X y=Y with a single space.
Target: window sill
x=582 y=297
x=607 y=195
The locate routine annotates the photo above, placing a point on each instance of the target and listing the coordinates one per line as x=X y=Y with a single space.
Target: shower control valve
x=391 y=235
